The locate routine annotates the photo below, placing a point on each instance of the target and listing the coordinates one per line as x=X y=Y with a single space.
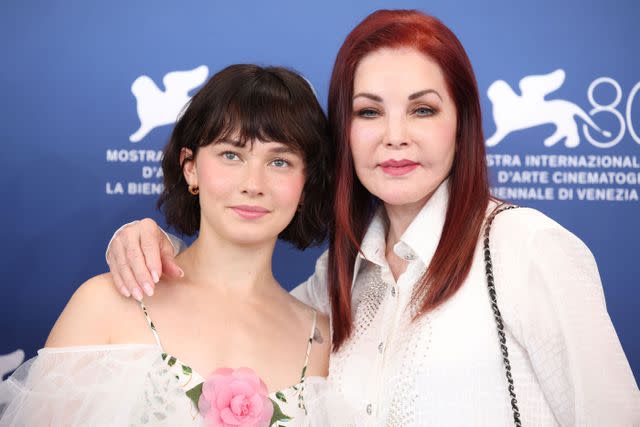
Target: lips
x=398 y=167
x=250 y=211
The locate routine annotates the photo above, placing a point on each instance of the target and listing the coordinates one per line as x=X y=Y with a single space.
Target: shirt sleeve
x=314 y=291
x=564 y=326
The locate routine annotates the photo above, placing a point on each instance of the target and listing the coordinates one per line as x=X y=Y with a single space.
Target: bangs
x=261 y=110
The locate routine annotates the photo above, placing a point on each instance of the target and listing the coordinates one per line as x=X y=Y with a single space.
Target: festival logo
x=155 y=107
x=513 y=112
x=160 y=108
x=524 y=174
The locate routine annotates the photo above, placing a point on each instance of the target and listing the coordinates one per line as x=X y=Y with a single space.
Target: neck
x=399 y=217
x=222 y=266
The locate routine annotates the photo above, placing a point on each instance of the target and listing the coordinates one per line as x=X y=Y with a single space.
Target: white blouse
x=446 y=368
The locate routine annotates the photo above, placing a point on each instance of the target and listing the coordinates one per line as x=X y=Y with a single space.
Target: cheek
x=288 y=189
x=215 y=181
x=363 y=138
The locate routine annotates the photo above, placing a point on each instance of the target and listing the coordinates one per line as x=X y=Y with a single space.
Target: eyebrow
x=424 y=92
x=277 y=149
x=234 y=142
x=282 y=149
x=411 y=97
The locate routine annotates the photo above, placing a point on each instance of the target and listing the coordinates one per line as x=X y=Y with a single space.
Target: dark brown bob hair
x=250 y=103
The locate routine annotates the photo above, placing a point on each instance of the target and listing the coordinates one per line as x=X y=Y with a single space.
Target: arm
x=314 y=291
x=561 y=319
x=139 y=254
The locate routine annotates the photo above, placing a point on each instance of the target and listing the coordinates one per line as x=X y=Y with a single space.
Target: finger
x=137 y=263
x=115 y=274
x=119 y=284
x=128 y=278
x=120 y=267
x=169 y=265
x=150 y=243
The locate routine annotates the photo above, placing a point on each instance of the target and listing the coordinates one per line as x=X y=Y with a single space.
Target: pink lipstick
x=398 y=167
x=249 y=211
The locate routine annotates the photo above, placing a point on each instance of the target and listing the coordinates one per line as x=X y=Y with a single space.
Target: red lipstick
x=398 y=167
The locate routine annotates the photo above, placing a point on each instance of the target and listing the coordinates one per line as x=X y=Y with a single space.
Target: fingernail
x=156 y=277
x=125 y=292
x=181 y=273
x=148 y=289
x=137 y=294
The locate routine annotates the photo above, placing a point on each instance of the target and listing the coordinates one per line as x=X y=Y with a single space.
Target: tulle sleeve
x=96 y=386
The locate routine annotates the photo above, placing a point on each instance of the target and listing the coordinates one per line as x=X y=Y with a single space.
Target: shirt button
x=409 y=257
x=393 y=292
x=381 y=347
x=369 y=409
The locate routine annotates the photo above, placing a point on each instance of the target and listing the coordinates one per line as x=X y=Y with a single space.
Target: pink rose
x=233 y=398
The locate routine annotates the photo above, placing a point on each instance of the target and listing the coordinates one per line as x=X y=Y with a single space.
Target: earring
x=193 y=189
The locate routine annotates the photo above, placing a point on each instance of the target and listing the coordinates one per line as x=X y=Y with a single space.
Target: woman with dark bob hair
x=448 y=307
x=246 y=164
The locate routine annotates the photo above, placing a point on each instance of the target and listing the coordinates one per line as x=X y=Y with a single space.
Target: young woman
x=415 y=336
x=246 y=164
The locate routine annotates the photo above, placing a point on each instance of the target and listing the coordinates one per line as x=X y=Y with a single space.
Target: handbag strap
x=496 y=312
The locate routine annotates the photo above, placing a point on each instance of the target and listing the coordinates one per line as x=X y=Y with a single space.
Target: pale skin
x=227 y=310
x=402 y=110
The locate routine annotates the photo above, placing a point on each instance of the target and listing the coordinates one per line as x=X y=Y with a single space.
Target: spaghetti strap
x=306 y=362
x=150 y=322
x=309 y=343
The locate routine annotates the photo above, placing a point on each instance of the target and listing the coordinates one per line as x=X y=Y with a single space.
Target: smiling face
x=249 y=194
x=403 y=130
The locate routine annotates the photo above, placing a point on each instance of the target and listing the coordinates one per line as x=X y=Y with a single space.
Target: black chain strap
x=496 y=313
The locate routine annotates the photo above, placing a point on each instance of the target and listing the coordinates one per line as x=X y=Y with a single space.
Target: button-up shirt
x=446 y=368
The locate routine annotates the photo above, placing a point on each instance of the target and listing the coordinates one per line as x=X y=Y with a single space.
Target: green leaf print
x=277 y=414
x=186 y=370
x=280 y=396
x=172 y=361
x=195 y=393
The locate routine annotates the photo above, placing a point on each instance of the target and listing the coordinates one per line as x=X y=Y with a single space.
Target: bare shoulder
x=87 y=317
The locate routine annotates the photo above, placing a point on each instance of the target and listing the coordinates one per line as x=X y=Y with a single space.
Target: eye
x=368 y=113
x=424 y=111
x=230 y=155
x=280 y=163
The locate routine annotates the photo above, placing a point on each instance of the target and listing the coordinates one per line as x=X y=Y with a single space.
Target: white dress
x=446 y=369
x=129 y=385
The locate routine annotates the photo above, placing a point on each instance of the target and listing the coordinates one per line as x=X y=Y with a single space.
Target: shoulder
x=87 y=317
x=313 y=291
x=321 y=346
x=532 y=232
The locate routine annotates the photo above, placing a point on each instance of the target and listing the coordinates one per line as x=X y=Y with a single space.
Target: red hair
x=468 y=182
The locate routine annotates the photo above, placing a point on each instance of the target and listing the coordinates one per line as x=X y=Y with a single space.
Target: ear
x=188 y=162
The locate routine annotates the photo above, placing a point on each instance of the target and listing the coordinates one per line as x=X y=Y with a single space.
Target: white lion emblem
x=512 y=112
x=158 y=108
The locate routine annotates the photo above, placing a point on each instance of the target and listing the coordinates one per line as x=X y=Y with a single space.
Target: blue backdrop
x=560 y=86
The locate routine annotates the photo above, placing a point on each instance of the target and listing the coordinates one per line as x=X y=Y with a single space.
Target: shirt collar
x=420 y=239
x=423 y=234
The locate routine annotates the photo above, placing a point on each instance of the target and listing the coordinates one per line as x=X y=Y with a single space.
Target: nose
x=253 y=180
x=396 y=136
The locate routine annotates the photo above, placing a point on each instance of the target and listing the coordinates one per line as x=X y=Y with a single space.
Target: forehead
x=401 y=70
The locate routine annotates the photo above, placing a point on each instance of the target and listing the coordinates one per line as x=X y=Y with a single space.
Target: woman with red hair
x=416 y=282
